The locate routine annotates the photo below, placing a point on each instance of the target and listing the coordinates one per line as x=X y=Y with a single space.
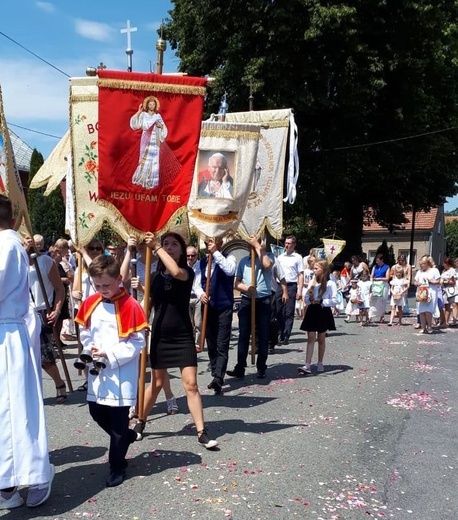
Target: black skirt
x=318 y=319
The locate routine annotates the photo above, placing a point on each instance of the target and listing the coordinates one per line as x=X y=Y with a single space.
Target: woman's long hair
x=182 y=262
x=323 y=281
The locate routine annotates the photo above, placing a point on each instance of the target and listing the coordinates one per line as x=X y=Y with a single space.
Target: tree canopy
x=47 y=214
x=451 y=235
x=373 y=84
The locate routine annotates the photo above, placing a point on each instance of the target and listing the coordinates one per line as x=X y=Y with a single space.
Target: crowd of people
x=190 y=304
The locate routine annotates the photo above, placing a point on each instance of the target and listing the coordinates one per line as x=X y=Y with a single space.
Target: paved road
x=375 y=436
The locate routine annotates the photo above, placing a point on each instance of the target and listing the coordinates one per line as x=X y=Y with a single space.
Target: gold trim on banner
x=220 y=219
x=119 y=224
x=153 y=87
x=230 y=134
x=81 y=98
x=276 y=124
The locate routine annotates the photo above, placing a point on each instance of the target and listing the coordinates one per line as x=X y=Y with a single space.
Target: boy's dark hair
x=6 y=211
x=104 y=264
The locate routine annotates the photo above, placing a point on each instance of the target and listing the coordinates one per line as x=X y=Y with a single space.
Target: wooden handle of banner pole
x=79 y=287
x=133 y=269
x=54 y=330
x=207 y=292
x=144 y=354
x=253 y=307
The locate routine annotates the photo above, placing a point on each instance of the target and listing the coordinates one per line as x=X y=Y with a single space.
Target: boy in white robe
x=24 y=458
x=113 y=329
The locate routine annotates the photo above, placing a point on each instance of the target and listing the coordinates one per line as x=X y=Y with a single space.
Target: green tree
x=355 y=72
x=451 y=235
x=47 y=214
x=387 y=252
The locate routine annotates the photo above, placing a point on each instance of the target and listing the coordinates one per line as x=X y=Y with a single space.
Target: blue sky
x=71 y=35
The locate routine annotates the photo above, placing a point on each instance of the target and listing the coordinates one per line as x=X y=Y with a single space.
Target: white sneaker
x=40 y=493
x=205 y=440
x=10 y=500
x=306 y=369
x=320 y=367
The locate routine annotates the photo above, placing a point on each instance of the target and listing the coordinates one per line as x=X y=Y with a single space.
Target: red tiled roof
x=423 y=220
x=450 y=218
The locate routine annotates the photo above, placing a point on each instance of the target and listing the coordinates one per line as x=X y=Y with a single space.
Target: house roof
x=22 y=152
x=423 y=221
x=450 y=218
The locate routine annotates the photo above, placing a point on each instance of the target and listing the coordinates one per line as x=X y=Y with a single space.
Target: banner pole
x=207 y=292
x=79 y=287
x=144 y=353
x=54 y=330
x=160 y=46
x=253 y=306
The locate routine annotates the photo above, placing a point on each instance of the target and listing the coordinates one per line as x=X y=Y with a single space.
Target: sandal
x=83 y=387
x=61 y=396
x=172 y=407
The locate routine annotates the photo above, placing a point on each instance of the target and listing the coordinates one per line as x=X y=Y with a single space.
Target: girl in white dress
x=398 y=290
x=364 y=285
x=354 y=301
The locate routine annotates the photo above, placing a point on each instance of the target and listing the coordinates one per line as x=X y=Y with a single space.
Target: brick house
x=429 y=237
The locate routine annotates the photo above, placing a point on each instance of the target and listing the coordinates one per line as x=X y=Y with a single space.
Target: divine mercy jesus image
x=148 y=119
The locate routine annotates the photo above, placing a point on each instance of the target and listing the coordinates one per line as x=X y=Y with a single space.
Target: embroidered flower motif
x=89 y=162
x=84 y=219
x=80 y=119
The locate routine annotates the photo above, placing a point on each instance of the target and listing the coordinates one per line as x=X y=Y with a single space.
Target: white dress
x=425 y=277
x=365 y=289
x=352 y=309
x=398 y=285
x=24 y=458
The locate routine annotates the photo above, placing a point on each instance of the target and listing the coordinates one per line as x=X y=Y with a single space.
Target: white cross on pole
x=129 y=30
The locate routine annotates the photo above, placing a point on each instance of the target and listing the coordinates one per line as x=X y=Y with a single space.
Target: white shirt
x=292 y=266
x=329 y=298
x=228 y=265
x=45 y=264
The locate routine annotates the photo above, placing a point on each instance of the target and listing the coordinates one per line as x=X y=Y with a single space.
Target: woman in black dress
x=172 y=336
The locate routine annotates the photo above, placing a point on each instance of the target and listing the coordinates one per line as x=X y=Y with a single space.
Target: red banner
x=149 y=128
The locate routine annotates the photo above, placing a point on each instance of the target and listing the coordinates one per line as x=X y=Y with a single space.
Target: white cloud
x=100 y=32
x=37 y=97
x=46 y=6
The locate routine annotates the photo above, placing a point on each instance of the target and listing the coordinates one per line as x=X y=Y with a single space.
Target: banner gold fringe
x=81 y=98
x=119 y=224
x=153 y=87
x=277 y=124
x=229 y=134
x=220 y=219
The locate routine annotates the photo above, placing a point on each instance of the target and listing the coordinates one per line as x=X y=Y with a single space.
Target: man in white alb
x=24 y=458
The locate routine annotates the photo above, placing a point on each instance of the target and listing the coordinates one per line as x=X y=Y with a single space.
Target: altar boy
x=114 y=327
